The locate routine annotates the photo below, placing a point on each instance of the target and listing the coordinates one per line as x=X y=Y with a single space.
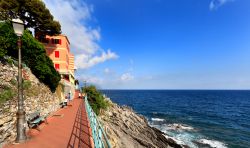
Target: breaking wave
x=184 y=134
x=157 y=119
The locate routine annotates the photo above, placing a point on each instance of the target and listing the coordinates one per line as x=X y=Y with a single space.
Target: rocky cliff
x=38 y=97
x=126 y=129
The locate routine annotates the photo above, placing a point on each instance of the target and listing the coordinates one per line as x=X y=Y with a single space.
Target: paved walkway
x=66 y=128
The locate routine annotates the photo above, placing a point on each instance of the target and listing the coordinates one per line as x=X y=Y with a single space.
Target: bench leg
x=29 y=125
x=38 y=128
x=46 y=121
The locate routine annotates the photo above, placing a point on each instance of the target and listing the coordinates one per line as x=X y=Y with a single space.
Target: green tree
x=33 y=12
x=95 y=98
x=33 y=55
x=8 y=39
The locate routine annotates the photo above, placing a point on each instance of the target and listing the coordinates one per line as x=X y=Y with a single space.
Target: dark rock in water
x=126 y=129
x=169 y=141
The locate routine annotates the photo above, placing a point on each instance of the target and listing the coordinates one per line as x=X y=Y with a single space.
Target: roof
x=60 y=35
x=65 y=37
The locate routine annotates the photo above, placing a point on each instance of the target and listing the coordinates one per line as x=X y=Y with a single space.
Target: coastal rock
x=126 y=129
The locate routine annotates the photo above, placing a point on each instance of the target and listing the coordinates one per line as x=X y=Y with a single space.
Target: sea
x=197 y=118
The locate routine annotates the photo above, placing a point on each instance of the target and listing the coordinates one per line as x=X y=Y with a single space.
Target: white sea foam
x=177 y=126
x=213 y=143
x=183 y=138
x=157 y=119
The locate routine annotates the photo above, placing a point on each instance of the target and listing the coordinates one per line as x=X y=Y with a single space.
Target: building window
x=57 y=66
x=46 y=41
x=56 y=41
x=57 y=54
x=43 y=39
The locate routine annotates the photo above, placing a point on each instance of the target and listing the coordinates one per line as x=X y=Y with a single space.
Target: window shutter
x=52 y=41
x=57 y=66
x=57 y=54
x=60 y=41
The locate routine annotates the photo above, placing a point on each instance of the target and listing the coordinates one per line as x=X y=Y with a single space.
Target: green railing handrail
x=99 y=135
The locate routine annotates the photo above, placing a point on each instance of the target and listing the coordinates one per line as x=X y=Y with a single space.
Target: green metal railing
x=99 y=136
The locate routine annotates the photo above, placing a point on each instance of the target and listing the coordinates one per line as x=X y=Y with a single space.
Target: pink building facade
x=58 y=49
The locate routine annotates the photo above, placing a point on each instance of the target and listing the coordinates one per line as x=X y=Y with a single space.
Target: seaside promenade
x=67 y=127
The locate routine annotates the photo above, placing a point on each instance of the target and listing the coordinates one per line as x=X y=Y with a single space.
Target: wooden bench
x=34 y=119
x=62 y=104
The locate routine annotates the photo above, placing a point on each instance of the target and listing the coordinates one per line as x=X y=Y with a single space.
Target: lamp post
x=85 y=86
x=18 y=26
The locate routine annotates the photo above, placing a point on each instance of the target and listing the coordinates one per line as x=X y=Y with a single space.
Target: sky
x=158 y=44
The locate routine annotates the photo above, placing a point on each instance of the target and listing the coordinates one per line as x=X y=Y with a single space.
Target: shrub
x=95 y=98
x=13 y=81
x=26 y=84
x=6 y=94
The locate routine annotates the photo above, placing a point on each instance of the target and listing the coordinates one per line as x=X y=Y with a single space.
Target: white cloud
x=95 y=80
x=91 y=79
x=84 y=61
x=215 y=4
x=148 y=78
x=73 y=16
x=106 y=70
x=127 y=77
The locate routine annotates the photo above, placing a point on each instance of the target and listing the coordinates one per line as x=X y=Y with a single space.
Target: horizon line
x=173 y=89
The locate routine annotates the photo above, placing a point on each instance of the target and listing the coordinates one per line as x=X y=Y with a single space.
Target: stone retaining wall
x=38 y=97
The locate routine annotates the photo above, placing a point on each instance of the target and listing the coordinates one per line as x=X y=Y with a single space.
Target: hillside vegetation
x=95 y=98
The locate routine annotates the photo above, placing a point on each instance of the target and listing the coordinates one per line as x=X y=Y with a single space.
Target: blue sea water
x=217 y=118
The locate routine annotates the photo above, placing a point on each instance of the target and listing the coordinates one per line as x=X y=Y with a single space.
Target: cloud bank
x=73 y=16
x=127 y=77
x=215 y=4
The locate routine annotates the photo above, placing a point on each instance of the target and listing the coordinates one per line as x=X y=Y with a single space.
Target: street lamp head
x=18 y=26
